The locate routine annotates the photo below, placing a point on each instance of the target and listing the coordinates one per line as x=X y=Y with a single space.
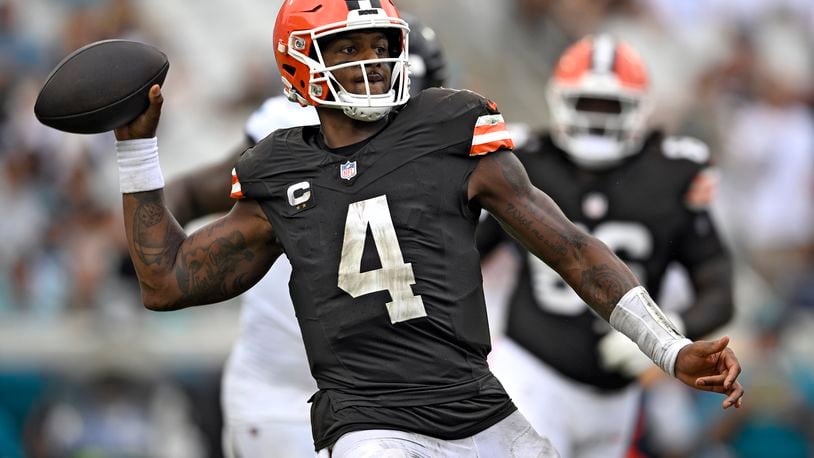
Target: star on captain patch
x=347 y=170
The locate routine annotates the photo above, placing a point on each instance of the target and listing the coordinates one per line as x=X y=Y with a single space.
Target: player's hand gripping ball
x=100 y=87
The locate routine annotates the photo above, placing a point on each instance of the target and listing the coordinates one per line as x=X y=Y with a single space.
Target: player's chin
x=376 y=88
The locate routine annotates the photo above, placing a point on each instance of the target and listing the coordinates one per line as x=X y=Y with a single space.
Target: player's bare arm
x=204 y=191
x=217 y=262
x=500 y=184
x=713 y=306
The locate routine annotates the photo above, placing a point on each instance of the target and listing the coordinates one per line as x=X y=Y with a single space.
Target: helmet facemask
x=323 y=87
x=598 y=129
x=598 y=97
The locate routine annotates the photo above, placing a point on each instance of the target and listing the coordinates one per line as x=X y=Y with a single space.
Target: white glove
x=619 y=354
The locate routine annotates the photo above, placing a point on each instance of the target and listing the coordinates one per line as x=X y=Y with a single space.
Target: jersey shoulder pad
x=278 y=113
x=703 y=177
x=685 y=148
x=260 y=163
x=443 y=104
x=467 y=117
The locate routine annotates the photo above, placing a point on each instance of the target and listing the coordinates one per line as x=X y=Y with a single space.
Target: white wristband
x=638 y=317
x=139 y=169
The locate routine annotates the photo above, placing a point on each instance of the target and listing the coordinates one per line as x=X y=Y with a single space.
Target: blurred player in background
x=266 y=381
x=645 y=195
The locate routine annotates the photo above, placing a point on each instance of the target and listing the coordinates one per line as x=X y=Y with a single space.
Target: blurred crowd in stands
x=738 y=74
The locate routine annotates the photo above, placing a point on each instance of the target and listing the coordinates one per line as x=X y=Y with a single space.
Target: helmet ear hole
x=289 y=69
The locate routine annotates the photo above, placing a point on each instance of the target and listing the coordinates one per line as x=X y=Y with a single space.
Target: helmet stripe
x=604 y=55
x=363 y=4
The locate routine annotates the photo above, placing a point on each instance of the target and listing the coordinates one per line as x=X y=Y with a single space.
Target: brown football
x=101 y=86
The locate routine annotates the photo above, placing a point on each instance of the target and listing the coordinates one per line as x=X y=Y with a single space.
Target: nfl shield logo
x=347 y=170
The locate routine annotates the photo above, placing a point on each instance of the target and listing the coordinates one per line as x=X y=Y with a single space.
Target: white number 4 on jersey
x=395 y=275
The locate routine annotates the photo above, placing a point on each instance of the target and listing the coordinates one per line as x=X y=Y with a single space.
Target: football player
x=376 y=209
x=642 y=193
x=266 y=382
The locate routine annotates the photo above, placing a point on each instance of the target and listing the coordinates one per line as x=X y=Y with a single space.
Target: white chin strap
x=594 y=151
x=377 y=106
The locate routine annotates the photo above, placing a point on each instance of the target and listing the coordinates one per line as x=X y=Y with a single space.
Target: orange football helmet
x=598 y=98
x=299 y=27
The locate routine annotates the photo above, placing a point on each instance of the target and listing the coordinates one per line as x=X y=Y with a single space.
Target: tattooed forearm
x=151 y=244
x=539 y=216
x=160 y=252
x=519 y=217
x=584 y=262
x=150 y=210
x=217 y=262
x=205 y=270
x=605 y=286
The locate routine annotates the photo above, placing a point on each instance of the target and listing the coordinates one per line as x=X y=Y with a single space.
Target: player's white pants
x=578 y=419
x=290 y=439
x=511 y=437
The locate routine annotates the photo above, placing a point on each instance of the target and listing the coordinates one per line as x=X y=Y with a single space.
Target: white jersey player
x=266 y=380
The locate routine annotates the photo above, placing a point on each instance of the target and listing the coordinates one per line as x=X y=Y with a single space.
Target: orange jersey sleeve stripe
x=488 y=129
x=236 y=193
x=490 y=134
x=486 y=148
